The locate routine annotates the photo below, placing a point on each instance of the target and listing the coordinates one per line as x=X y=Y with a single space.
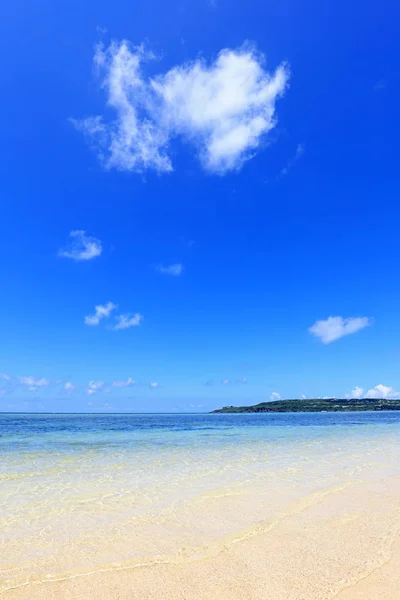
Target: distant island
x=315 y=405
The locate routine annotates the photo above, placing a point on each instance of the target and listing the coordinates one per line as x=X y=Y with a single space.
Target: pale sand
x=339 y=543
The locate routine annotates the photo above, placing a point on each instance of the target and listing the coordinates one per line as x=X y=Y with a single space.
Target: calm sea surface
x=78 y=492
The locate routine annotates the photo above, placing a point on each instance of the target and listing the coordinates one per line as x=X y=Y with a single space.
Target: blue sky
x=220 y=180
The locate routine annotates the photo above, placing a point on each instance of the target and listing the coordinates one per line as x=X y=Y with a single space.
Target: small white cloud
x=154 y=384
x=334 y=328
x=174 y=270
x=69 y=387
x=242 y=380
x=95 y=386
x=122 y=384
x=82 y=246
x=382 y=391
x=102 y=311
x=355 y=394
x=303 y=397
x=275 y=396
x=128 y=320
x=6 y=377
x=224 y=109
x=225 y=381
x=32 y=382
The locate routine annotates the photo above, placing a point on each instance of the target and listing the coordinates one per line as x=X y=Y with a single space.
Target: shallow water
x=86 y=492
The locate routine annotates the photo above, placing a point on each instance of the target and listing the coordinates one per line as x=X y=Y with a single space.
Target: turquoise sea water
x=79 y=491
x=62 y=432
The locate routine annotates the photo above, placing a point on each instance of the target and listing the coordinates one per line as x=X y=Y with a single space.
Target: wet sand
x=341 y=542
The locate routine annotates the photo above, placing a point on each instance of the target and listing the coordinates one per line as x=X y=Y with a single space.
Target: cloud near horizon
x=69 y=387
x=33 y=383
x=122 y=384
x=94 y=387
x=382 y=391
x=379 y=391
x=355 y=394
x=82 y=246
x=223 y=109
x=334 y=328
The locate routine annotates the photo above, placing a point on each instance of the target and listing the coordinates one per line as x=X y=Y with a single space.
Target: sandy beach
x=323 y=532
x=340 y=543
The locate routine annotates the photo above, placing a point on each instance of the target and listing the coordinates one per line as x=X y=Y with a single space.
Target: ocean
x=81 y=493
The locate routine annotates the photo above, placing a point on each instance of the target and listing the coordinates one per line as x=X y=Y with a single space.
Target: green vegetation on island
x=316 y=405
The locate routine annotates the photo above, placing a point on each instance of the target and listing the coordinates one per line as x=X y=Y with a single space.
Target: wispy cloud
x=4 y=376
x=128 y=320
x=275 y=396
x=242 y=380
x=81 y=247
x=174 y=270
x=101 y=311
x=224 y=109
x=333 y=328
x=94 y=387
x=125 y=383
x=33 y=383
x=225 y=381
x=154 y=384
x=293 y=160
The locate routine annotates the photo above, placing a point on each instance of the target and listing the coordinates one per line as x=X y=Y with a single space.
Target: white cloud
x=225 y=381
x=382 y=391
x=32 y=382
x=69 y=387
x=224 y=109
x=82 y=247
x=95 y=386
x=355 y=394
x=175 y=270
x=128 y=320
x=334 y=328
x=102 y=311
x=154 y=384
x=275 y=396
x=242 y=380
x=6 y=377
x=121 y=384
x=303 y=397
